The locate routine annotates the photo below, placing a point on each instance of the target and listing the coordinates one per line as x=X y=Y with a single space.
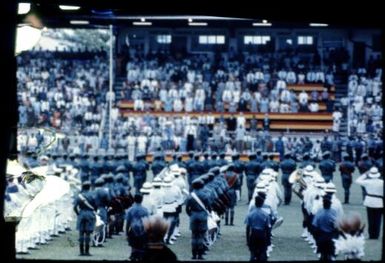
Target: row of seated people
x=202 y=85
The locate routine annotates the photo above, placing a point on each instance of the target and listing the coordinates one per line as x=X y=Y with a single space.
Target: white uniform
x=375 y=191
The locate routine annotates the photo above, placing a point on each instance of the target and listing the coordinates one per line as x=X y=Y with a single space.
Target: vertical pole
x=349 y=113
x=110 y=91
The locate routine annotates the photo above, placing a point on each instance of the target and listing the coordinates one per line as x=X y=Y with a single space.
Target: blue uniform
x=258 y=227
x=198 y=221
x=327 y=168
x=85 y=206
x=140 y=174
x=287 y=166
x=324 y=231
x=135 y=230
x=252 y=171
x=157 y=166
x=347 y=169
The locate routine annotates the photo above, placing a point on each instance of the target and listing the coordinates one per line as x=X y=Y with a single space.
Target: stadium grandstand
x=119 y=99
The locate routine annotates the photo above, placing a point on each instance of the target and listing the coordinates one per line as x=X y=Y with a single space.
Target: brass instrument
x=298 y=183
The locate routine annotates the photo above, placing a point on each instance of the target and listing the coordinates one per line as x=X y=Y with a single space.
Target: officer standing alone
x=288 y=166
x=84 y=207
x=374 y=187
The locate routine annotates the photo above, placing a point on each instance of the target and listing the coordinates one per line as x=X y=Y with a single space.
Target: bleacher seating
x=278 y=121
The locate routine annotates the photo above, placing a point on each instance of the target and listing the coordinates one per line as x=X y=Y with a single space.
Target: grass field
x=289 y=246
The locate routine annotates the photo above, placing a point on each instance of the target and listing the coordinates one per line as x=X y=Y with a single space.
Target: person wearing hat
x=213 y=160
x=287 y=166
x=206 y=162
x=190 y=159
x=84 y=165
x=233 y=182
x=180 y=182
x=324 y=229
x=239 y=168
x=172 y=199
x=196 y=210
x=258 y=156
x=347 y=168
x=306 y=160
x=220 y=184
x=374 y=187
x=222 y=161
x=85 y=207
x=252 y=170
x=180 y=161
x=157 y=195
x=265 y=161
x=330 y=189
x=195 y=169
x=140 y=171
x=136 y=234
x=359 y=146
x=327 y=167
x=258 y=230
x=148 y=201
x=158 y=164
x=271 y=163
x=363 y=165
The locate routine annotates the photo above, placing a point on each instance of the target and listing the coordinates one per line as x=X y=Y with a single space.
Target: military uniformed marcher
x=258 y=231
x=347 y=168
x=252 y=170
x=233 y=182
x=84 y=207
x=198 y=219
x=140 y=172
x=136 y=235
x=288 y=166
x=327 y=167
x=324 y=229
x=239 y=168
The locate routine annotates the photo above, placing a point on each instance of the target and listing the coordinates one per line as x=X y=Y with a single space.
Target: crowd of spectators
x=62 y=90
x=365 y=97
x=68 y=91
x=204 y=83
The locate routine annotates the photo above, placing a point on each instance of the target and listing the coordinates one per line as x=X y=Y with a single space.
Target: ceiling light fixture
x=79 y=22
x=136 y=23
x=318 y=25
x=262 y=24
x=69 y=7
x=197 y=24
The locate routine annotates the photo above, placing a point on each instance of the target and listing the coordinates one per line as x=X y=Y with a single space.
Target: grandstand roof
x=176 y=13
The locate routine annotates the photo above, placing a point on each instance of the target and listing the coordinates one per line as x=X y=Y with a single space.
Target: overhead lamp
x=23 y=8
x=264 y=21
x=318 y=25
x=262 y=24
x=69 y=7
x=197 y=24
x=79 y=22
x=190 y=20
x=142 y=19
x=142 y=23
